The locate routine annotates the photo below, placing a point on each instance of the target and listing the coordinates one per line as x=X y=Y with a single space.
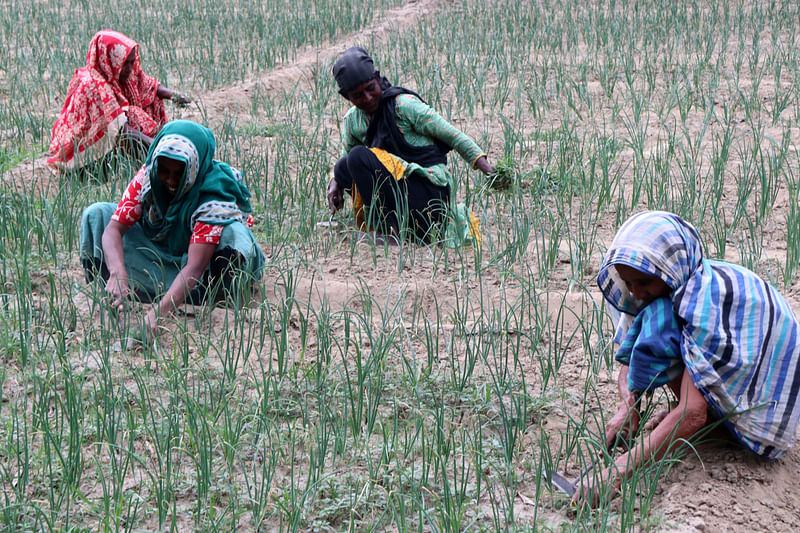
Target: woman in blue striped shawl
x=723 y=339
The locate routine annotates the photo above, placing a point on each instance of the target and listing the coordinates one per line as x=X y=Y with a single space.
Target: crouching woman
x=723 y=340
x=183 y=225
x=394 y=163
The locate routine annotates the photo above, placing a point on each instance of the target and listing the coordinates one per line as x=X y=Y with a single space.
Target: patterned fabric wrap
x=216 y=212
x=175 y=147
x=210 y=191
x=98 y=105
x=652 y=347
x=739 y=338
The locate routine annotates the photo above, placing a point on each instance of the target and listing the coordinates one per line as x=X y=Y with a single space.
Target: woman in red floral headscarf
x=108 y=96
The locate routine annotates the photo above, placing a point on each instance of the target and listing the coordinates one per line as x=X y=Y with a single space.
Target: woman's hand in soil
x=179 y=98
x=623 y=425
x=335 y=196
x=597 y=487
x=117 y=283
x=199 y=257
x=484 y=166
x=150 y=327
x=118 y=291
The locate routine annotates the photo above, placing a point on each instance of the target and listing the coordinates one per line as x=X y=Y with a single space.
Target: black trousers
x=390 y=204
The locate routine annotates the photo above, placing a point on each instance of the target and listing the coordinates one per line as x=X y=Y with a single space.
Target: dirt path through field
x=236 y=98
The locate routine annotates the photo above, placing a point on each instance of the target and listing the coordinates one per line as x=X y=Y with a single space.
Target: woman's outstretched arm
x=166 y=93
x=117 y=284
x=199 y=257
x=680 y=424
x=137 y=135
x=427 y=121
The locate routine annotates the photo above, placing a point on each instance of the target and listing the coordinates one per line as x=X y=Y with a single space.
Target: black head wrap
x=352 y=69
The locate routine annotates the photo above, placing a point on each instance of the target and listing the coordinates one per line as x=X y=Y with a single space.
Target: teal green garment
x=151 y=267
x=420 y=125
x=210 y=191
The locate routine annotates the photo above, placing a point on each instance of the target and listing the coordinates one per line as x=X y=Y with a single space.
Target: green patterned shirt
x=420 y=125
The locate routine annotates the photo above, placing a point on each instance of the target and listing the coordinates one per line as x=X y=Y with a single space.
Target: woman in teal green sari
x=181 y=226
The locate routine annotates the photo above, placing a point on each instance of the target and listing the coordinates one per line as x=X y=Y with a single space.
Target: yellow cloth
x=397 y=168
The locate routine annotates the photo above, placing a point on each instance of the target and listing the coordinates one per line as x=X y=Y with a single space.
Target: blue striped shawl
x=739 y=336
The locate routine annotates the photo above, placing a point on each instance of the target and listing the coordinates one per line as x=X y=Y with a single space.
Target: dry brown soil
x=721 y=488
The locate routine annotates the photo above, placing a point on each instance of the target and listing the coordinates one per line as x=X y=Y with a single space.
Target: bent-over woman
x=109 y=96
x=720 y=337
x=395 y=159
x=181 y=225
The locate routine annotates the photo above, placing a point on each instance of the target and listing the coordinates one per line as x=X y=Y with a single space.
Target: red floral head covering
x=108 y=51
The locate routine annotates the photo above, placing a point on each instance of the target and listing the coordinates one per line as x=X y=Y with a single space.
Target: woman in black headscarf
x=395 y=159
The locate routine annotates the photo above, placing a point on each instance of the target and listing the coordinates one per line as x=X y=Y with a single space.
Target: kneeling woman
x=723 y=339
x=109 y=98
x=182 y=224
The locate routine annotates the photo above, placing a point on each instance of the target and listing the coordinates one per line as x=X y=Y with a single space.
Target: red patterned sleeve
x=211 y=233
x=129 y=209
x=206 y=233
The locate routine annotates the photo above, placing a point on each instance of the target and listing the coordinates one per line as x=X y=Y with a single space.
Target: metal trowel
x=569 y=487
x=561 y=483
